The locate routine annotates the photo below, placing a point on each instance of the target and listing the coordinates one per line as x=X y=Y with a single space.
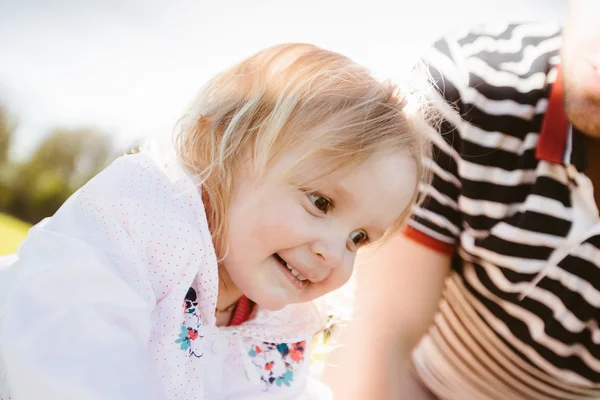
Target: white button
x=216 y=347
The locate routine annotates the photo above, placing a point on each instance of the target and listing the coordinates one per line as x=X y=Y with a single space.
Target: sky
x=130 y=67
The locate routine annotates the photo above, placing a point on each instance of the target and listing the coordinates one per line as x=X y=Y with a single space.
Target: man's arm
x=398 y=290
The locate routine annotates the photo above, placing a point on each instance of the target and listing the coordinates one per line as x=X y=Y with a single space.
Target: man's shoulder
x=488 y=54
x=525 y=33
x=496 y=70
x=493 y=82
x=500 y=38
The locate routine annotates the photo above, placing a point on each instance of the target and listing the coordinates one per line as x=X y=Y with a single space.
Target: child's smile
x=292 y=274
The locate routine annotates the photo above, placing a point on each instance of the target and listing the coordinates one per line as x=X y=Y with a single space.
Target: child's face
x=273 y=223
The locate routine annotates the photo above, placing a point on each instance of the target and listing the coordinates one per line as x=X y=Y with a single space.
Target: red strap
x=553 y=135
x=242 y=312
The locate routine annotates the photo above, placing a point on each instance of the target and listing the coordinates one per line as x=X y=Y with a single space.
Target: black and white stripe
x=519 y=316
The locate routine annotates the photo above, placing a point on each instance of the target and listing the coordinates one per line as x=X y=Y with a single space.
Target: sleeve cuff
x=428 y=241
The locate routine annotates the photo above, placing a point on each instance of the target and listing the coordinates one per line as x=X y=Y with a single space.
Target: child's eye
x=357 y=239
x=322 y=204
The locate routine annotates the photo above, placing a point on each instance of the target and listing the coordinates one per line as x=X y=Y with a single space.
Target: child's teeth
x=295 y=273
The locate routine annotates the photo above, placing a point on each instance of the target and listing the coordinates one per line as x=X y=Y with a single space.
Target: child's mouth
x=293 y=275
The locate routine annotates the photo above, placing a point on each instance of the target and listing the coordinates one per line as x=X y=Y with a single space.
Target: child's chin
x=272 y=304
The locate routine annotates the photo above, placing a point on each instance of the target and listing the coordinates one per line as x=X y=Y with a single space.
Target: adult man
x=508 y=237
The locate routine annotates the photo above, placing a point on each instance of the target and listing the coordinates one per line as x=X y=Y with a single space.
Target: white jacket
x=114 y=298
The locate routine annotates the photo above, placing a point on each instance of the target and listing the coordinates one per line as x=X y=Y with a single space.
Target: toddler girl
x=191 y=271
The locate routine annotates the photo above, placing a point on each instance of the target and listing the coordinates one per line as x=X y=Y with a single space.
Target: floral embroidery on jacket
x=191 y=324
x=277 y=362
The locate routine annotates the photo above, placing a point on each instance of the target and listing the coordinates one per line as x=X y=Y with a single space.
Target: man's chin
x=585 y=117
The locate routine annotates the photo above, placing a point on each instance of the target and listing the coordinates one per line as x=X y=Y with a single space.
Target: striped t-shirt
x=510 y=199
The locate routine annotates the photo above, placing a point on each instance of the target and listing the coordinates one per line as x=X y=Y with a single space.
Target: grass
x=12 y=232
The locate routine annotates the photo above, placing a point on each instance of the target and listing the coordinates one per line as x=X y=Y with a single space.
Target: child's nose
x=330 y=252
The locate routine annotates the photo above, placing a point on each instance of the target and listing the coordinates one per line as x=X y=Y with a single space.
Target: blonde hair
x=293 y=95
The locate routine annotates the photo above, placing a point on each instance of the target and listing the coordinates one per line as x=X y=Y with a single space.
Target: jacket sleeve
x=77 y=317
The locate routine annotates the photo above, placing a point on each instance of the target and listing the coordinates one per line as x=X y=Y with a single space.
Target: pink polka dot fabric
x=115 y=295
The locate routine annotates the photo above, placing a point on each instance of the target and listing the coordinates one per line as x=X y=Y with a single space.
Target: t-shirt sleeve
x=436 y=222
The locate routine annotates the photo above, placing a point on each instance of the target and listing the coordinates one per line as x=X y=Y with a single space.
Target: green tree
x=8 y=126
x=64 y=160
x=74 y=154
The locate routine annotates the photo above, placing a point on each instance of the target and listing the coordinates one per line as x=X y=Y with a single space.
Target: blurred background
x=82 y=82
